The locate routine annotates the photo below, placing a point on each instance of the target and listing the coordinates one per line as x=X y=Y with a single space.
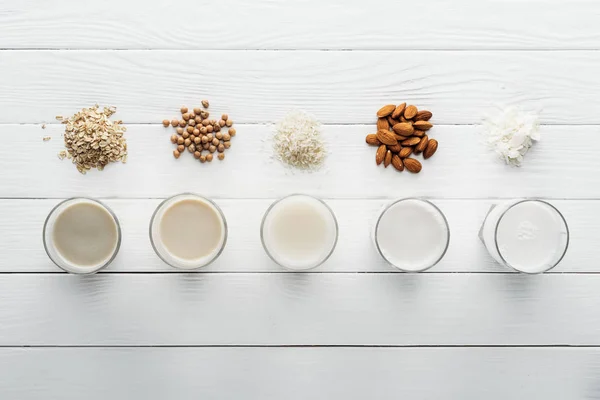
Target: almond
x=423 y=115
x=388 y=159
x=410 y=112
x=418 y=133
x=400 y=137
x=372 y=139
x=386 y=137
x=395 y=148
x=422 y=145
x=398 y=111
x=397 y=162
x=383 y=123
x=392 y=121
x=411 y=141
x=403 y=128
x=412 y=165
x=423 y=125
x=405 y=152
x=431 y=148
x=380 y=155
x=386 y=110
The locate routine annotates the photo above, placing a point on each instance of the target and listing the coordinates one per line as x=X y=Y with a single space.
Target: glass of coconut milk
x=81 y=235
x=412 y=234
x=188 y=231
x=529 y=236
x=299 y=232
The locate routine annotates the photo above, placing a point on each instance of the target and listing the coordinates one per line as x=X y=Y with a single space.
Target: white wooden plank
x=336 y=86
x=21 y=224
x=299 y=309
x=301 y=24
x=299 y=373
x=463 y=167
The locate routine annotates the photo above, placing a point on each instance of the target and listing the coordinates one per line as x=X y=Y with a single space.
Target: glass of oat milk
x=188 y=231
x=81 y=235
x=412 y=234
x=527 y=235
x=299 y=232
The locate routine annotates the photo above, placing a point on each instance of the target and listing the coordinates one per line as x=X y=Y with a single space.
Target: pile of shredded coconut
x=511 y=133
x=298 y=142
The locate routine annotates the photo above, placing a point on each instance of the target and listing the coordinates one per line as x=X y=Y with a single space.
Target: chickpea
x=197 y=110
x=219 y=135
x=180 y=148
x=185 y=135
x=182 y=123
x=203 y=130
x=174 y=122
x=204 y=122
x=187 y=142
x=212 y=148
x=232 y=132
x=224 y=117
x=204 y=139
x=215 y=142
x=196 y=132
x=191 y=122
x=166 y=122
x=202 y=158
x=229 y=122
x=176 y=153
x=205 y=146
x=209 y=157
x=186 y=116
x=180 y=140
x=221 y=156
x=198 y=120
x=227 y=145
x=197 y=140
x=184 y=109
x=226 y=137
x=209 y=128
x=210 y=137
x=173 y=139
x=192 y=148
x=205 y=103
x=221 y=148
x=179 y=130
x=197 y=155
x=190 y=129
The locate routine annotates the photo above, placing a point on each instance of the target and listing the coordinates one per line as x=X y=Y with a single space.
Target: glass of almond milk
x=412 y=234
x=527 y=235
x=299 y=232
x=188 y=231
x=81 y=235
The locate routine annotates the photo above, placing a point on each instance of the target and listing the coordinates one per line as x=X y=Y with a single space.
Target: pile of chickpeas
x=200 y=135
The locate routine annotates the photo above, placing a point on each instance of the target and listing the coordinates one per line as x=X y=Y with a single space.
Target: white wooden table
x=354 y=328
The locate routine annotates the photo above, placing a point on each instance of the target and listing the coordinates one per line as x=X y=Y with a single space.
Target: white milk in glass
x=299 y=232
x=530 y=236
x=412 y=235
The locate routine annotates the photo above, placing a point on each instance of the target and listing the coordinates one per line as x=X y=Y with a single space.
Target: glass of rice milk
x=412 y=234
x=299 y=232
x=188 y=231
x=529 y=236
x=81 y=235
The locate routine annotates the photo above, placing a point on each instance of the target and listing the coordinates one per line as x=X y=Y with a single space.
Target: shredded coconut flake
x=511 y=133
x=298 y=141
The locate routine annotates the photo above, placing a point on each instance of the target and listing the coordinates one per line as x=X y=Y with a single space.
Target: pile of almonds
x=402 y=132
x=200 y=135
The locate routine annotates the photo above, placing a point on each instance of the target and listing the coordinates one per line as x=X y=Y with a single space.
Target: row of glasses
x=300 y=232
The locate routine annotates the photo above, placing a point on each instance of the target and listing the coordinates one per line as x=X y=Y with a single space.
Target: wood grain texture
x=347 y=87
x=299 y=309
x=298 y=373
x=463 y=167
x=21 y=223
x=300 y=24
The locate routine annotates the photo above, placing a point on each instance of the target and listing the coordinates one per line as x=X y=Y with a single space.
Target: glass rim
x=262 y=236
x=503 y=214
x=98 y=268
x=436 y=208
x=209 y=201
